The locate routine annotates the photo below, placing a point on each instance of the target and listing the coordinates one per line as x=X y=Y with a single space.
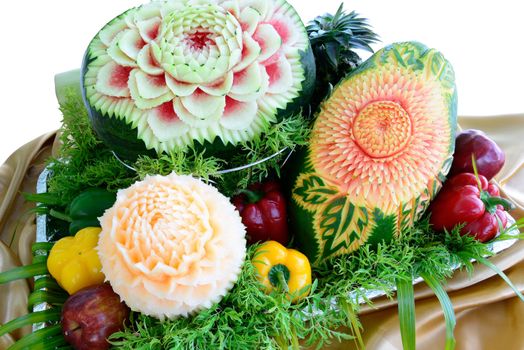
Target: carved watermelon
x=381 y=146
x=176 y=74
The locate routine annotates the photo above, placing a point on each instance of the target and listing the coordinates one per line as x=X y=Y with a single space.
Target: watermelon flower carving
x=181 y=71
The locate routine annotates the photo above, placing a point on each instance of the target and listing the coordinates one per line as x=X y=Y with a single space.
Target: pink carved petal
x=247 y=81
x=280 y=76
x=165 y=123
x=250 y=52
x=131 y=43
x=203 y=105
x=179 y=88
x=110 y=31
x=220 y=87
x=262 y=6
x=147 y=63
x=238 y=115
x=268 y=39
x=192 y=120
x=249 y=18
x=286 y=29
x=150 y=86
x=149 y=28
x=115 y=52
x=112 y=80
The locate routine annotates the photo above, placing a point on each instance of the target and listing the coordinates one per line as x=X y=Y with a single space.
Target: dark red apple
x=488 y=155
x=91 y=315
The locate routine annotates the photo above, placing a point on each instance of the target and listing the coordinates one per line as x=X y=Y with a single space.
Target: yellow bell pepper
x=279 y=267
x=74 y=262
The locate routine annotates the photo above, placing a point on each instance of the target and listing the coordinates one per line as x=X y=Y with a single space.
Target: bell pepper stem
x=252 y=196
x=282 y=281
x=59 y=215
x=491 y=202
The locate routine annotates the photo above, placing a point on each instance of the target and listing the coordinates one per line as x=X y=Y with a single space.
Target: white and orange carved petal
x=238 y=115
x=280 y=76
x=112 y=80
x=249 y=18
x=248 y=80
x=131 y=43
x=268 y=39
x=149 y=28
x=115 y=52
x=147 y=63
x=221 y=87
x=250 y=52
x=141 y=101
x=110 y=31
x=179 y=88
x=150 y=86
x=165 y=123
x=203 y=105
x=262 y=6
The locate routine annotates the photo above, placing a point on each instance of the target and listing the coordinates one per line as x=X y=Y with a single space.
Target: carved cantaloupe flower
x=171 y=245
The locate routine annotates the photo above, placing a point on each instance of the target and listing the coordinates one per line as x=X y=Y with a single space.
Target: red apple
x=91 y=315
x=489 y=157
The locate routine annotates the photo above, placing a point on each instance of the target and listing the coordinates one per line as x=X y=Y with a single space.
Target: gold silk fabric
x=489 y=315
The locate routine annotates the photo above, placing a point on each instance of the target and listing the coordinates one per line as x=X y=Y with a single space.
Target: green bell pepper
x=85 y=209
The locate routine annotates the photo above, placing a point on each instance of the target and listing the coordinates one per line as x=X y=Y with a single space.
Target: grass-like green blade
x=406 y=313
x=44 y=296
x=34 y=317
x=501 y=274
x=40 y=336
x=23 y=272
x=447 y=308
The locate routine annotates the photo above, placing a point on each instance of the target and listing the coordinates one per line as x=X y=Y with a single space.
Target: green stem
x=491 y=202
x=252 y=196
x=44 y=296
x=59 y=215
x=282 y=281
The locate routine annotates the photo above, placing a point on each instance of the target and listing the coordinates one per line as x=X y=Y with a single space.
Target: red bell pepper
x=464 y=200
x=263 y=210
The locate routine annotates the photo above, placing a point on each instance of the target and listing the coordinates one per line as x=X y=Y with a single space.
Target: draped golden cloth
x=489 y=315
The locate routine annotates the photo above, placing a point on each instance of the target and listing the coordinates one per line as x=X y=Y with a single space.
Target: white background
x=484 y=40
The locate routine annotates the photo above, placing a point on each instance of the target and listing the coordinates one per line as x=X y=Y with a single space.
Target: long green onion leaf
x=34 y=317
x=501 y=274
x=406 y=313
x=35 y=338
x=23 y=272
x=44 y=296
x=447 y=308
x=48 y=283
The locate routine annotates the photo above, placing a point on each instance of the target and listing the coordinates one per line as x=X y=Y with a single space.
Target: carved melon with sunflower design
x=381 y=146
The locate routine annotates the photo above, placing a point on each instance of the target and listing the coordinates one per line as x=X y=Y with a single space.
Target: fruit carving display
x=171 y=73
x=380 y=148
x=157 y=240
